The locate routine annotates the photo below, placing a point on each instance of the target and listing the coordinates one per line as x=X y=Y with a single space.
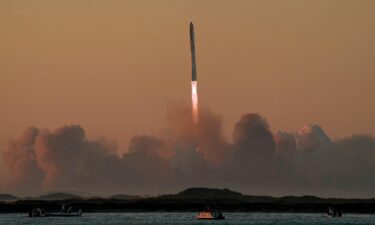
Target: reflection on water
x=186 y=218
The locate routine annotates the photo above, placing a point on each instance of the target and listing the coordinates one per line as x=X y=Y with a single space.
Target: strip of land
x=192 y=199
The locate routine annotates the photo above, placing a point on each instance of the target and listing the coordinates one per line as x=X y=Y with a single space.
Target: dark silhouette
x=196 y=199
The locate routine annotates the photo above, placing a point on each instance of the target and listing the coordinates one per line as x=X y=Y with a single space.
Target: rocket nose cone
x=191 y=25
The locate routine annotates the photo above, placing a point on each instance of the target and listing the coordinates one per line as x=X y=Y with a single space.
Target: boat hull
x=61 y=215
x=211 y=218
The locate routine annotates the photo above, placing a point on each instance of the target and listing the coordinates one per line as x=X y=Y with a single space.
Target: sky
x=114 y=67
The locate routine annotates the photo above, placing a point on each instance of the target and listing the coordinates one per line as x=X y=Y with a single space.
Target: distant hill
x=205 y=193
x=58 y=196
x=8 y=197
x=259 y=199
x=301 y=199
x=125 y=197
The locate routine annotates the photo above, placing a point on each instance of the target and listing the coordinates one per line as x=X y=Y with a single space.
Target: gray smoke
x=255 y=161
x=20 y=159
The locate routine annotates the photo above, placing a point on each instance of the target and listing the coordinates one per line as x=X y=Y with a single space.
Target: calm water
x=186 y=218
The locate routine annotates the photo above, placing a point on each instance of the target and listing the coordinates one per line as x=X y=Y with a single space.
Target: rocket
x=194 y=84
x=192 y=47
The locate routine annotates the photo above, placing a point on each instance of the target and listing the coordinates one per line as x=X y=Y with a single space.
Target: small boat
x=210 y=215
x=39 y=212
x=332 y=213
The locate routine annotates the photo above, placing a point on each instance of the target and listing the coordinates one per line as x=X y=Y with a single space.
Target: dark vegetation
x=192 y=199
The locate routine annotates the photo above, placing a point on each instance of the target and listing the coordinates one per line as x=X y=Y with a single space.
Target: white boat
x=38 y=212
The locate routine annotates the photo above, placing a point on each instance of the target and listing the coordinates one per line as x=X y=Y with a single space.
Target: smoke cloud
x=20 y=159
x=185 y=154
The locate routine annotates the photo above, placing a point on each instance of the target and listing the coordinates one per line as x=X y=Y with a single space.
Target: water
x=187 y=219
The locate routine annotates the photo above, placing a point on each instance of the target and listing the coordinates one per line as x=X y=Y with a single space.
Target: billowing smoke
x=185 y=154
x=67 y=157
x=252 y=137
x=20 y=158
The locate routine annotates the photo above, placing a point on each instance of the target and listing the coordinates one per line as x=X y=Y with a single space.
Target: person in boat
x=36 y=212
x=334 y=213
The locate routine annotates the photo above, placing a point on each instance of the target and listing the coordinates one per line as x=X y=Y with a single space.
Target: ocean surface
x=186 y=218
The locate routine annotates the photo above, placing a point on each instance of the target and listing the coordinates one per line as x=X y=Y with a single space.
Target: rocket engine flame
x=194 y=101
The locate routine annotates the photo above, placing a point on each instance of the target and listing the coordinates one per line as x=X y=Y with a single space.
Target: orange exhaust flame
x=194 y=99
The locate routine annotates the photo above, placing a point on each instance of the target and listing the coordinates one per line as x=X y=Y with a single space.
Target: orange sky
x=112 y=66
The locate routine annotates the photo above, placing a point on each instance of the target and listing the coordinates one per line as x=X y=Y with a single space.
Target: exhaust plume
x=194 y=100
